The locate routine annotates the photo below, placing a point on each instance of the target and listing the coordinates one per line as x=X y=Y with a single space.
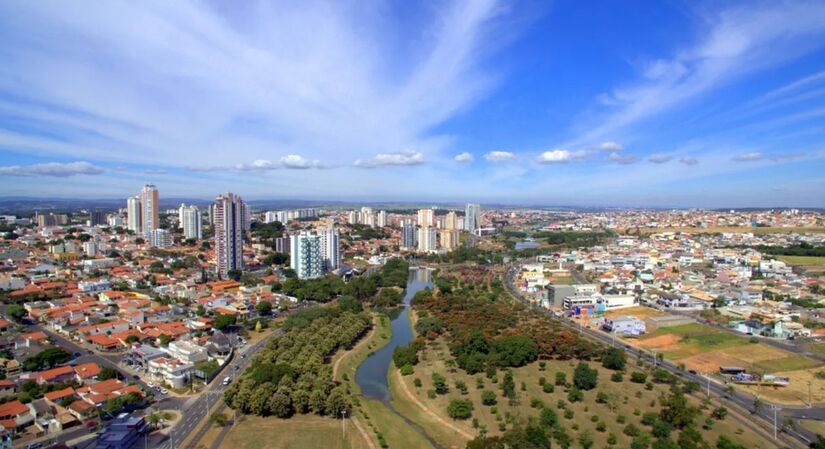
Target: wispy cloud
x=689 y=160
x=734 y=41
x=464 y=157
x=241 y=83
x=749 y=157
x=52 y=169
x=560 y=156
x=611 y=147
x=288 y=162
x=660 y=158
x=500 y=156
x=385 y=159
x=625 y=159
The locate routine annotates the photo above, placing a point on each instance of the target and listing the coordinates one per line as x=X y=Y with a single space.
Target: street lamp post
x=775 y=409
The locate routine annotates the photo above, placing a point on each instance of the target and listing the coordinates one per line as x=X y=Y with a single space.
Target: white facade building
x=305 y=255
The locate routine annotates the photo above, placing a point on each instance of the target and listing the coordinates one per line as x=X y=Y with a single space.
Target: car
x=164 y=391
x=89 y=351
x=227 y=380
x=136 y=377
x=150 y=385
x=692 y=371
x=34 y=446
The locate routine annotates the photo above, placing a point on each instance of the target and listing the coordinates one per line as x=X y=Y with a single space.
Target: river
x=371 y=375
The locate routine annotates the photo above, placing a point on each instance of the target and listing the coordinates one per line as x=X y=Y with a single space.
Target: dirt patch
x=662 y=342
x=639 y=312
x=755 y=353
x=709 y=362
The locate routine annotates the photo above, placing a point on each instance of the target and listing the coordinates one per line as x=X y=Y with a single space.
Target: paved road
x=196 y=409
x=716 y=389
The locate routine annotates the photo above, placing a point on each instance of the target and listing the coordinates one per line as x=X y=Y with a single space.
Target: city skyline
x=708 y=105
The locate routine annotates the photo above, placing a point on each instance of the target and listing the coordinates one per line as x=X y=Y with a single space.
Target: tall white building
x=381 y=220
x=451 y=220
x=427 y=242
x=190 y=221
x=133 y=220
x=229 y=216
x=472 y=217
x=159 y=238
x=353 y=217
x=305 y=255
x=426 y=218
x=330 y=251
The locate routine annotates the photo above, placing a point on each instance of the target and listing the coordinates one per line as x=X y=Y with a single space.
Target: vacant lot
x=639 y=312
x=299 y=432
x=728 y=229
x=705 y=349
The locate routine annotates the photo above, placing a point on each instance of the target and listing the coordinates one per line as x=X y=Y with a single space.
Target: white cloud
x=313 y=77
x=289 y=162
x=611 y=147
x=560 y=156
x=385 y=159
x=53 y=169
x=298 y=162
x=500 y=156
x=689 y=160
x=749 y=157
x=464 y=157
x=659 y=158
x=622 y=159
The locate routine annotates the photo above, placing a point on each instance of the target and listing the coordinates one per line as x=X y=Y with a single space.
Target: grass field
x=804 y=261
x=298 y=432
x=704 y=349
x=728 y=229
x=626 y=399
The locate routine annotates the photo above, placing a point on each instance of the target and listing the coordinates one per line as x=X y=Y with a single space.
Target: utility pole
x=810 y=396
x=707 y=376
x=343 y=425
x=775 y=409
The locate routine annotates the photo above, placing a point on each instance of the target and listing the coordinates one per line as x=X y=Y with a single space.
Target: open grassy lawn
x=805 y=261
x=298 y=432
x=627 y=402
x=790 y=363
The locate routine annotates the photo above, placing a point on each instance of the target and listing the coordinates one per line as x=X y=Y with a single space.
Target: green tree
x=585 y=377
x=488 y=397
x=223 y=321
x=16 y=312
x=440 y=384
x=264 y=307
x=614 y=359
x=676 y=410
x=516 y=350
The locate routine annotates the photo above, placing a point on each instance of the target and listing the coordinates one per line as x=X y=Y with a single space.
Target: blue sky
x=610 y=103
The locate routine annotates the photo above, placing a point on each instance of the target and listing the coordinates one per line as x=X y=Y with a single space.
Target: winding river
x=371 y=375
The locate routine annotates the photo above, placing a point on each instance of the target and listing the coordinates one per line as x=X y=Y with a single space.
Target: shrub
x=638 y=377
x=575 y=395
x=417 y=382
x=561 y=378
x=548 y=388
x=406 y=370
x=488 y=397
x=460 y=409
x=440 y=384
x=568 y=414
x=630 y=430
x=614 y=359
x=431 y=394
x=617 y=377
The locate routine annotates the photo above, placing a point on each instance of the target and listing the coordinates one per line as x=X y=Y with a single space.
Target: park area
x=704 y=349
x=604 y=414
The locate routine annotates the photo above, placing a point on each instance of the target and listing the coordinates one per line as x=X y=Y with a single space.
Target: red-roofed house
x=15 y=415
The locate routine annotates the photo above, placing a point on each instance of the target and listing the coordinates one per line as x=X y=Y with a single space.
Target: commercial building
x=190 y=221
x=427 y=242
x=230 y=213
x=122 y=432
x=409 y=238
x=557 y=292
x=472 y=217
x=305 y=255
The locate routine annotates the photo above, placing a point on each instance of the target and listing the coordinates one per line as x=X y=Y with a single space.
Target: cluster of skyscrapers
x=366 y=216
x=427 y=233
x=285 y=216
